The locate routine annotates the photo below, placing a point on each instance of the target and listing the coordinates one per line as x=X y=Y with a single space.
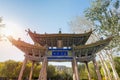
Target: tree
x=106 y=18
x=1 y=67
x=1 y=26
x=117 y=64
x=82 y=71
x=51 y=71
x=36 y=70
x=80 y=24
x=8 y=69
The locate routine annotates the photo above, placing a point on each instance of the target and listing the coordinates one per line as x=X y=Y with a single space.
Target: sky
x=38 y=15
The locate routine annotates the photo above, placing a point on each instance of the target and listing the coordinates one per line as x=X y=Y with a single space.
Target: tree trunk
x=108 y=71
x=112 y=66
x=97 y=69
x=103 y=67
x=111 y=62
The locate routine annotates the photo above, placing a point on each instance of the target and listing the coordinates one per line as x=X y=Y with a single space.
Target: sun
x=11 y=29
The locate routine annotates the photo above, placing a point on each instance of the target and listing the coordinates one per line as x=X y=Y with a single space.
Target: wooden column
x=97 y=69
x=88 y=70
x=75 y=69
x=22 y=69
x=43 y=71
x=31 y=72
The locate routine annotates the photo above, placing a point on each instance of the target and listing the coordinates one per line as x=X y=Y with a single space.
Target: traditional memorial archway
x=60 y=47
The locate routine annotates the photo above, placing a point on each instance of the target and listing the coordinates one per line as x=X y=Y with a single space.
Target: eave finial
x=60 y=31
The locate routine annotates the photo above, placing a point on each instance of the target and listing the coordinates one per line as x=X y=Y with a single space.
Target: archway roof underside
x=82 y=52
x=67 y=39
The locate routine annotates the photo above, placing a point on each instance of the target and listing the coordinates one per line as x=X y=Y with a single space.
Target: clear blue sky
x=39 y=15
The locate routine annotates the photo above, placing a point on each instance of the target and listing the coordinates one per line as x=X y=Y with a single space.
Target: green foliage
x=82 y=71
x=11 y=69
x=117 y=64
x=92 y=71
x=106 y=18
x=51 y=71
x=36 y=70
x=1 y=67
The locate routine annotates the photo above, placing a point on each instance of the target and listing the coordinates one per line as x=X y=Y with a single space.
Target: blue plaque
x=59 y=53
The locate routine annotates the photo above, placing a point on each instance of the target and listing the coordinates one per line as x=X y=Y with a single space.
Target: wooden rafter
x=28 y=49
x=68 y=39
